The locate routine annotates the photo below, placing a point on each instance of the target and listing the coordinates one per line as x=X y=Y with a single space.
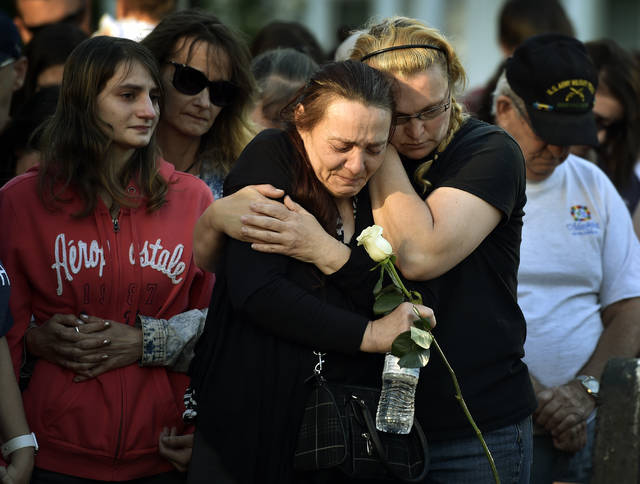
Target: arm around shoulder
x=208 y=239
x=429 y=236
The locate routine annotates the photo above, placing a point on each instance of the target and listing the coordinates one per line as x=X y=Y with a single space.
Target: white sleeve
x=620 y=251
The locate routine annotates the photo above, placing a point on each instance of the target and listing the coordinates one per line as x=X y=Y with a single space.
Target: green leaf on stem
x=389 y=298
x=415 y=359
x=403 y=344
x=421 y=322
x=421 y=337
x=410 y=350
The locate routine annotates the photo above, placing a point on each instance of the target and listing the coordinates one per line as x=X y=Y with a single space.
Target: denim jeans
x=463 y=460
x=551 y=464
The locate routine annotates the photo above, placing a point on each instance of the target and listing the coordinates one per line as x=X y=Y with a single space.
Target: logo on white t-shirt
x=582 y=223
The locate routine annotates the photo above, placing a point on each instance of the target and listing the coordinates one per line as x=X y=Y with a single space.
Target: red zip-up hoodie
x=105 y=428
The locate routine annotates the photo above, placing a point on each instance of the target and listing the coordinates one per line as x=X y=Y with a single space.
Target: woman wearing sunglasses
x=203 y=127
x=110 y=236
x=451 y=205
x=206 y=75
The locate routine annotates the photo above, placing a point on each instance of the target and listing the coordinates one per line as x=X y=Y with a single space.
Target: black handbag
x=338 y=430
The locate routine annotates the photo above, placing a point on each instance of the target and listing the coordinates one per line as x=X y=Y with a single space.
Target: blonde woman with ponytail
x=450 y=196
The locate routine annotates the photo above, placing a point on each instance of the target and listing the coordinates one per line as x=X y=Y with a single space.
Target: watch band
x=27 y=440
x=590 y=384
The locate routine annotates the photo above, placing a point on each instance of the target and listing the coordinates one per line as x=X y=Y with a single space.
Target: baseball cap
x=555 y=77
x=9 y=39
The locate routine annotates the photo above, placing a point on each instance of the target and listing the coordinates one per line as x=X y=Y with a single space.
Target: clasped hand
x=87 y=345
x=270 y=226
x=563 y=412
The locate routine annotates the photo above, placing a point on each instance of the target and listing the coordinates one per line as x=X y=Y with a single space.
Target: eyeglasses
x=190 y=81
x=426 y=115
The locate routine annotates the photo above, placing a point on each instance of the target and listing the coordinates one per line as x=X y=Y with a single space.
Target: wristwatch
x=590 y=384
x=28 y=440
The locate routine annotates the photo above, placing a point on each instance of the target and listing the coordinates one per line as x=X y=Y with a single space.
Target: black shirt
x=480 y=327
x=268 y=313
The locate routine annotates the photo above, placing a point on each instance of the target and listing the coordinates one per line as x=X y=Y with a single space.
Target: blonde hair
x=400 y=31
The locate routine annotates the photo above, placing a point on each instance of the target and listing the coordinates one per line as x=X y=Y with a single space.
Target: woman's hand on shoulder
x=290 y=230
x=222 y=218
x=379 y=335
x=233 y=207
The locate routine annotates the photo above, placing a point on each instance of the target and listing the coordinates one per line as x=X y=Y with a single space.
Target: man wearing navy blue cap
x=578 y=283
x=13 y=66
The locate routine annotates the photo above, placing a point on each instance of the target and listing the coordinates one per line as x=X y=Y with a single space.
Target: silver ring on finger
x=77 y=329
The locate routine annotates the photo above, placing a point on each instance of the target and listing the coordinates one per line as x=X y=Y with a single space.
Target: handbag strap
x=377 y=443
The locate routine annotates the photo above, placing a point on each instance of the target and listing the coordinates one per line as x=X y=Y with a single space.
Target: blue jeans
x=551 y=464
x=463 y=460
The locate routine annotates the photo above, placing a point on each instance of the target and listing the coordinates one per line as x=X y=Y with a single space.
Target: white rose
x=374 y=243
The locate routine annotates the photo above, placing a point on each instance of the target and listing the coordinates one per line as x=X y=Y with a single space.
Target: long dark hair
x=231 y=131
x=74 y=144
x=619 y=73
x=350 y=80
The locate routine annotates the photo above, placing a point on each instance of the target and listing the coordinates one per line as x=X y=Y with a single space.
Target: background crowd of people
x=180 y=209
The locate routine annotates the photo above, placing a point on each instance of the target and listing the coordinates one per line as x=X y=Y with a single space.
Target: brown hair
x=619 y=73
x=520 y=19
x=74 y=144
x=156 y=9
x=231 y=131
x=349 y=80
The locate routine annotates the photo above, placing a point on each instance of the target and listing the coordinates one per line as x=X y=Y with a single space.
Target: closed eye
x=342 y=149
x=376 y=149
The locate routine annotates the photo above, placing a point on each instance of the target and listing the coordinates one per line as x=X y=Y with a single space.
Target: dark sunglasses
x=190 y=81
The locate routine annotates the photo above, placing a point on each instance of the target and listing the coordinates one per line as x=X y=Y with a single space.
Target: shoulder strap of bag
x=377 y=443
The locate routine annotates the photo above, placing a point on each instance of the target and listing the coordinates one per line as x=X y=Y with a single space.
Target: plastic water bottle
x=397 y=398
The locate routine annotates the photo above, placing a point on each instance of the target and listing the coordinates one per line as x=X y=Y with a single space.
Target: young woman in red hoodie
x=103 y=229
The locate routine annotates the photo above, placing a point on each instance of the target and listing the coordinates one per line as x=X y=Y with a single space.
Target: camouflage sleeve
x=171 y=342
